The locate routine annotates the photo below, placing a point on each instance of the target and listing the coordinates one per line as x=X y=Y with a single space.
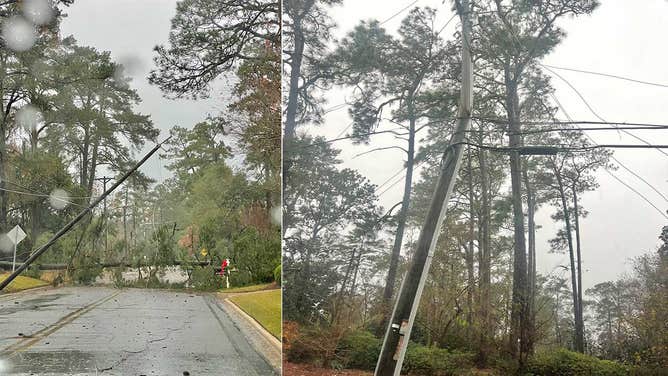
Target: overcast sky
x=622 y=38
x=130 y=29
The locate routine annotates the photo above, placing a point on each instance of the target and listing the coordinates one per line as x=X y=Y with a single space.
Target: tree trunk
x=401 y=219
x=469 y=248
x=576 y=219
x=518 y=325
x=485 y=258
x=571 y=253
x=295 y=72
x=531 y=212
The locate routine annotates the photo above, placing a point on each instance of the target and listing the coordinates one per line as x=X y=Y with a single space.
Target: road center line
x=25 y=343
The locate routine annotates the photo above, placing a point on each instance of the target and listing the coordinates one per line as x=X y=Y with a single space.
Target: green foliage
x=359 y=349
x=423 y=360
x=86 y=273
x=208 y=38
x=206 y=279
x=32 y=272
x=568 y=363
x=277 y=274
x=257 y=255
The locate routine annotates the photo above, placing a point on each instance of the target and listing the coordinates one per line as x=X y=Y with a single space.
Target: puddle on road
x=8 y=307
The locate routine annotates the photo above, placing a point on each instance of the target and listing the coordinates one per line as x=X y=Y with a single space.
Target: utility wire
x=606 y=75
x=399 y=12
x=447 y=23
x=621 y=164
x=594 y=112
x=344 y=131
x=580 y=95
x=40 y=195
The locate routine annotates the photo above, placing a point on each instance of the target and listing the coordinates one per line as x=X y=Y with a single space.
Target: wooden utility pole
x=105 y=179
x=399 y=328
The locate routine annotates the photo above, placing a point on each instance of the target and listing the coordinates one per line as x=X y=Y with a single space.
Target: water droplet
x=19 y=34
x=59 y=199
x=40 y=12
x=28 y=117
x=6 y=244
x=276 y=214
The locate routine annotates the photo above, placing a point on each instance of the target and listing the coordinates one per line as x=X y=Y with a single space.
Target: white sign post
x=16 y=235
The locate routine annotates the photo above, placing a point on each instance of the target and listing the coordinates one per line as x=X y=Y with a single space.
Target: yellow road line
x=25 y=343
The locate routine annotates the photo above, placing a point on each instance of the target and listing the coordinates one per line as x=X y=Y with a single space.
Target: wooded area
x=484 y=304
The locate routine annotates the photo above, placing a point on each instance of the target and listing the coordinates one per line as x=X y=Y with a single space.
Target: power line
x=390 y=178
x=393 y=130
x=612 y=157
x=344 y=131
x=594 y=112
x=391 y=185
x=447 y=23
x=622 y=165
x=581 y=96
x=399 y=12
x=35 y=191
x=39 y=195
x=607 y=75
x=638 y=193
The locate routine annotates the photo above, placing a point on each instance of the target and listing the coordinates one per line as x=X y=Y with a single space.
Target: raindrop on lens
x=6 y=245
x=59 y=199
x=40 y=12
x=28 y=117
x=276 y=215
x=19 y=34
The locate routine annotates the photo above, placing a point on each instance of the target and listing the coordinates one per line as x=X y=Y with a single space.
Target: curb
x=265 y=333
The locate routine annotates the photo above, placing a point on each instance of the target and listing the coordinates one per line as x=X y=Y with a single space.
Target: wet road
x=93 y=331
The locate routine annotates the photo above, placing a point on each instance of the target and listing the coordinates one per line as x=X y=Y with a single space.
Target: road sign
x=15 y=236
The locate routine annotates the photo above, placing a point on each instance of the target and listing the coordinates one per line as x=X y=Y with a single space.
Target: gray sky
x=622 y=38
x=130 y=29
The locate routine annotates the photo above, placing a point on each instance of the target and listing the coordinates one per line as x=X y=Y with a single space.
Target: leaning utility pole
x=83 y=213
x=399 y=328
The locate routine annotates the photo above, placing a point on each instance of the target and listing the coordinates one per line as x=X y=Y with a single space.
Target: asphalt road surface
x=104 y=331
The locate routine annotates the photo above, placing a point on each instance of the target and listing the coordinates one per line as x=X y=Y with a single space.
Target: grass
x=265 y=307
x=233 y=290
x=22 y=283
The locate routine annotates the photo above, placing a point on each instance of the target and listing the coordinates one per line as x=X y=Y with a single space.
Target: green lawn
x=265 y=307
x=251 y=288
x=21 y=283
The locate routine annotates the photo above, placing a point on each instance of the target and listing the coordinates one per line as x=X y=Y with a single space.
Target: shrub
x=563 y=362
x=315 y=345
x=205 y=279
x=359 y=349
x=33 y=272
x=434 y=361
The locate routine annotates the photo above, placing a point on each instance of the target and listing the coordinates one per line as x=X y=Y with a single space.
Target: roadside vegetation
x=22 y=283
x=264 y=307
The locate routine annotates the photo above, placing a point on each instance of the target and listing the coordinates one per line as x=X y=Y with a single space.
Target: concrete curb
x=268 y=346
x=270 y=337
